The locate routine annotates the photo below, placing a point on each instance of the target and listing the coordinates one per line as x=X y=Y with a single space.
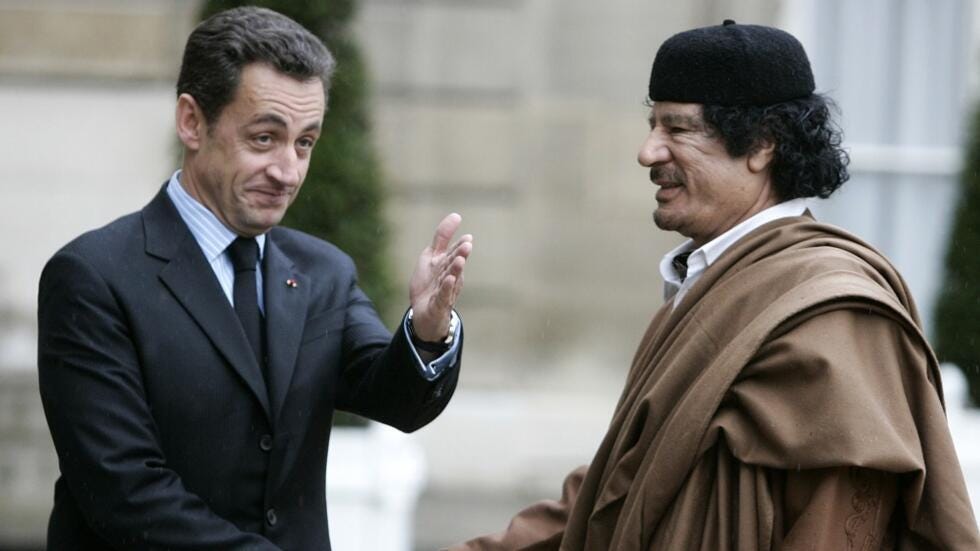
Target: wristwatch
x=434 y=346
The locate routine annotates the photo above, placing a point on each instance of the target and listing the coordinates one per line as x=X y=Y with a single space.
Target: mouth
x=272 y=197
x=668 y=191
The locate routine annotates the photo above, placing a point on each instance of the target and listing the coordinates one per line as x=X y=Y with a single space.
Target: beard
x=663 y=220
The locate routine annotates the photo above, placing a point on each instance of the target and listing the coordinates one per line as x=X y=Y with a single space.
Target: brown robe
x=789 y=401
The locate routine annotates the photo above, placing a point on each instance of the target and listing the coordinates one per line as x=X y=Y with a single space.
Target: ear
x=191 y=124
x=759 y=159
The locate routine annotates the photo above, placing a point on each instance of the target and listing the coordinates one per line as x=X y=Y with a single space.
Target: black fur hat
x=731 y=64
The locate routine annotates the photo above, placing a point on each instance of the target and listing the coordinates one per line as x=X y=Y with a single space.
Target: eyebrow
x=272 y=118
x=674 y=119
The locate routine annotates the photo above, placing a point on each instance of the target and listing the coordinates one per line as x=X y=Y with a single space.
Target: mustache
x=668 y=174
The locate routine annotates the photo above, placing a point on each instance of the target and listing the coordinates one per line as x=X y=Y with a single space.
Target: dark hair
x=223 y=44
x=808 y=160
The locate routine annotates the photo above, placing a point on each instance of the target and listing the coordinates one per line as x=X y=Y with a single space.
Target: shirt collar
x=211 y=235
x=708 y=253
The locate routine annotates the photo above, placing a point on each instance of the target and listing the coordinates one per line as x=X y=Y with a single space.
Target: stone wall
x=93 y=39
x=87 y=87
x=28 y=466
x=522 y=115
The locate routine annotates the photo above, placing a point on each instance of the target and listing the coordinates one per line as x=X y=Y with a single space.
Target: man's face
x=248 y=166
x=703 y=191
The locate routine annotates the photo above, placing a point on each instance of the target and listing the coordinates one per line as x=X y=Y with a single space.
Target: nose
x=286 y=169
x=654 y=150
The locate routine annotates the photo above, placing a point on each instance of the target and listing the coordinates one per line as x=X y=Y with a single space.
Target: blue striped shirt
x=213 y=238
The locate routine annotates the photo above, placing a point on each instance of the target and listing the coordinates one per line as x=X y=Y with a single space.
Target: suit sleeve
x=108 y=451
x=381 y=378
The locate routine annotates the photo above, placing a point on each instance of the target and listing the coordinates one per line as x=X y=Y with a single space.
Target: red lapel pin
x=292 y=283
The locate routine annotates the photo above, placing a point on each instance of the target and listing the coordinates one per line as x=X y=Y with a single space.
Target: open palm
x=438 y=280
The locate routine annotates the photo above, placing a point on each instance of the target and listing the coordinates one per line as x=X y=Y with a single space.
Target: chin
x=264 y=223
x=662 y=221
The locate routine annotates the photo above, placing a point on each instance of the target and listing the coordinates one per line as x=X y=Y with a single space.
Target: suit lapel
x=193 y=283
x=286 y=303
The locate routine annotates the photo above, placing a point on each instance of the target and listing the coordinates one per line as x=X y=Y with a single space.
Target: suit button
x=270 y=517
x=265 y=443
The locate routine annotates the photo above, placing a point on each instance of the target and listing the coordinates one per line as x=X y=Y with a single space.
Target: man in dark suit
x=191 y=354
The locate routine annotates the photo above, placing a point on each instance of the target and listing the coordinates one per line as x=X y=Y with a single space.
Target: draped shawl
x=799 y=349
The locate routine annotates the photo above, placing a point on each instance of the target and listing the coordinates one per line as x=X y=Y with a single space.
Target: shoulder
x=850 y=333
x=789 y=278
x=825 y=246
x=109 y=244
x=310 y=251
x=821 y=258
x=95 y=259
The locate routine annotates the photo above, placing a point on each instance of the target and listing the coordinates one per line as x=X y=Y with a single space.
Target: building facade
x=524 y=116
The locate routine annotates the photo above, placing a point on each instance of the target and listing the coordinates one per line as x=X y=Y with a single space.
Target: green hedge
x=957 y=336
x=342 y=200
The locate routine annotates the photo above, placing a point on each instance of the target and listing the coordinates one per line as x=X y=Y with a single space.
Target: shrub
x=958 y=308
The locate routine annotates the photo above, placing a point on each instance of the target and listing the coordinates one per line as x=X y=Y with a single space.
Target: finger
x=444 y=232
x=457 y=288
x=441 y=263
x=463 y=247
x=454 y=267
x=449 y=263
x=444 y=298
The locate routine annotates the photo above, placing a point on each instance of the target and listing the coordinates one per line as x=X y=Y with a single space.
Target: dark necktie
x=244 y=253
x=680 y=264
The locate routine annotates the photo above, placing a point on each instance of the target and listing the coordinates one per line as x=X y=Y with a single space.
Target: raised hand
x=438 y=279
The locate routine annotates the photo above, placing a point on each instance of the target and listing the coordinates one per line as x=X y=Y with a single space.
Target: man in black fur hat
x=784 y=396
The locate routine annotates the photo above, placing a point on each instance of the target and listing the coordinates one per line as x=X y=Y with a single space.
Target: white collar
x=211 y=235
x=704 y=256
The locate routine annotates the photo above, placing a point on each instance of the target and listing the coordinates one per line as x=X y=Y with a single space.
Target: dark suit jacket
x=167 y=436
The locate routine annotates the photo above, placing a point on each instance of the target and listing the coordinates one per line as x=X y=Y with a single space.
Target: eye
x=306 y=143
x=263 y=139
